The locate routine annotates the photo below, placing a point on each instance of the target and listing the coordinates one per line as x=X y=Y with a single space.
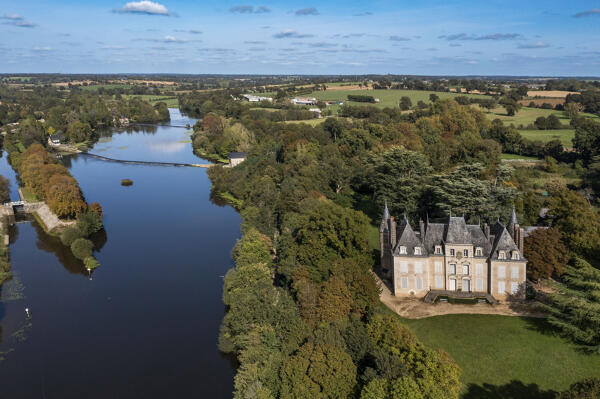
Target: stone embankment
x=41 y=209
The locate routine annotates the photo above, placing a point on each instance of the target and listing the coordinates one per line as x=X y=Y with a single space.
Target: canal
x=145 y=323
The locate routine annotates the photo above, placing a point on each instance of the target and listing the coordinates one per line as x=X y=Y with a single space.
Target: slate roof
x=502 y=242
x=456 y=231
x=434 y=235
x=407 y=238
x=238 y=155
x=479 y=240
x=384 y=220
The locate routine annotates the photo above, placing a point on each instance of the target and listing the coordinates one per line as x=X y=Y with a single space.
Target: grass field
x=312 y=122
x=564 y=135
x=526 y=116
x=516 y=157
x=172 y=102
x=388 y=98
x=499 y=349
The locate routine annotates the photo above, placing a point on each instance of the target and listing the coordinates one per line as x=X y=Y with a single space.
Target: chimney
x=393 y=231
x=521 y=240
x=422 y=229
x=486 y=230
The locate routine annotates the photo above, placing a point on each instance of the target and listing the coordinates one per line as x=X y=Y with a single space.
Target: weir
x=152 y=163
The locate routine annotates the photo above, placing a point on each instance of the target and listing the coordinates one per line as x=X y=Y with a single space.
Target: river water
x=145 y=324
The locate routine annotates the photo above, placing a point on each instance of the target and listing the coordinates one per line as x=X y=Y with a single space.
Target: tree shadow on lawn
x=513 y=390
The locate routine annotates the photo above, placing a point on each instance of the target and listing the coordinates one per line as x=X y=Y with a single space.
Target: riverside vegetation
x=302 y=307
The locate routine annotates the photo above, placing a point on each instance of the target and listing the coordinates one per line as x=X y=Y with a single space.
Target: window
x=514 y=272
x=514 y=288
x=478 y=252
x=417 y=250
x=501 y=255
x=501 y=287
x=501 y=271
x=438 y=267
x=479 y=269
x=479 y=284
x=452 y=269
x=438 y=282
x=404 y=282
x=465 y=269
x=438 y=250
x=403 y=267
x=466 y=253
x=418 y=267
x=419 y=283
x=515 y=255
x=452 y=252
x=403 y=250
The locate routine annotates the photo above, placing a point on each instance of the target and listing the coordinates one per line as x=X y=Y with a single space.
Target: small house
x=55 y=140
x=256 y=99
x=304 y=101
x=316 y=111
x=236 y=158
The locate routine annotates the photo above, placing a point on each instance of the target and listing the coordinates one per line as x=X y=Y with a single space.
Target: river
x=145 y=323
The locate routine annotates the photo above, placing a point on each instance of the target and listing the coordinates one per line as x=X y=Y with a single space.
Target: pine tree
x=574 y=307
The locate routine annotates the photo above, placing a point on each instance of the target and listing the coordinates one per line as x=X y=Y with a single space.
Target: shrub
x=586 y=389
x=70 y=234
x=82 y=248
x=90 y=262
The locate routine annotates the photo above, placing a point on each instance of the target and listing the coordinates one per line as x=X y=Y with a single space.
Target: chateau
x=453 y=256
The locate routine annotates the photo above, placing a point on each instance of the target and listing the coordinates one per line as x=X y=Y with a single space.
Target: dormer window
x=417 y=250
x=478 y=252
x=515 y=255
x=403 y=250
x=438 y=250
x=452 y=252
x=501 y=255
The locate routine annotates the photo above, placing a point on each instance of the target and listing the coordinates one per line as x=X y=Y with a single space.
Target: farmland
x=564 y=135
x=388 y=98
x=171 y=101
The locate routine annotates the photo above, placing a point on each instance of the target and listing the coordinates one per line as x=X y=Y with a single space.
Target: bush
x=82 y=248
x=70 y=234
x=586 y=389
x=90 y=262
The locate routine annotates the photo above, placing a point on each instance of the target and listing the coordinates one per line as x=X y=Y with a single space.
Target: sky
x=451 y=37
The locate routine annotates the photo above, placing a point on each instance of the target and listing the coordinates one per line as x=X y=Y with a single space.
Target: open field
x=388 y=98
x=550 y=93
x=526 y=116
x=515 y=157
x=312 y=122
x=540 y=101
x=499 y=349
x=172 y=102
x=564 y=135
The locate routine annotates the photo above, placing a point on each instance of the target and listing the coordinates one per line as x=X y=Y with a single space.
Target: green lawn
x=388 y=98
x=312 y=122
x=564 y=135
x=499 y=349
x=172 y=102
x=514 y=156
x=526 y=116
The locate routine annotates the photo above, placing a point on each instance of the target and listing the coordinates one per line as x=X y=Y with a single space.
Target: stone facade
x=453 y=256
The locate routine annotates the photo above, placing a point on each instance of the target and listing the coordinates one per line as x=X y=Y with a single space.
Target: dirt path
x=413 y=308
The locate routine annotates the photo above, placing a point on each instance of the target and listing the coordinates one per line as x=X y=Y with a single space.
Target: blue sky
x=455 y=37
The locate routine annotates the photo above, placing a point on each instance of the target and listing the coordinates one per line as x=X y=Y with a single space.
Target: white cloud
x=144 y=7
x=17 y=20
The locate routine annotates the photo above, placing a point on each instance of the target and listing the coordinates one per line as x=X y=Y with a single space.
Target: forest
x=303 y=317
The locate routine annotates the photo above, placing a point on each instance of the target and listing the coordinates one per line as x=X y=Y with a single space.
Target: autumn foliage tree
x=546 y=253
x=51 y=182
